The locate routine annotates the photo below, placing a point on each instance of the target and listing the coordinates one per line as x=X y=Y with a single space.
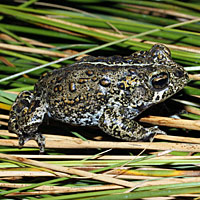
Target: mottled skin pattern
x=108 y=92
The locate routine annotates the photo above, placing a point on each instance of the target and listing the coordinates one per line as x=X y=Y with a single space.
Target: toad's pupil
x=160 y=81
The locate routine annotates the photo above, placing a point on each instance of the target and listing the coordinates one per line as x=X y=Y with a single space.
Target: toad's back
x=79 y=93
x=108 y=92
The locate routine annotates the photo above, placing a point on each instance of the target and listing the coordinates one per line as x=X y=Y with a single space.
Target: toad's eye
x=160 y=81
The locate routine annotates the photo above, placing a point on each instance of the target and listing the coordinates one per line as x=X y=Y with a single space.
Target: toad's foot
x=38 y=137
x=151 y=132
x=26 y=115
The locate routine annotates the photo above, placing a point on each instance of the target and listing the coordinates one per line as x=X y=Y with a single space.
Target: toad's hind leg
x=115 y=124
x=26 y=115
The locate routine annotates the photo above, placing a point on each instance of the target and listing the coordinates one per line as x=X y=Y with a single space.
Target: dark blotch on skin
x=94 y=79
x=89 y=72
x=105 y=82
x=121 y=86
x=72 y=87
x=82 y=80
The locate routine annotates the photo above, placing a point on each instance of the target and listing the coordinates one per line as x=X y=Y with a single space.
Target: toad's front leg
x=117 y=125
